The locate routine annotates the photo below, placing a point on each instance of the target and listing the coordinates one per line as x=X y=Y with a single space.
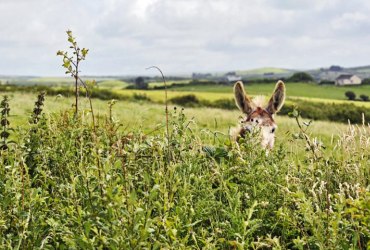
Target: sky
x=124 y=37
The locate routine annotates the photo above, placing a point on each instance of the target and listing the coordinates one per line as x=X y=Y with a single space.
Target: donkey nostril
x=273 y=130
x=252 y=120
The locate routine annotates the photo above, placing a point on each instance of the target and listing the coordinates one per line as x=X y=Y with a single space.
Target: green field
x=127 y=184
x=261 y=71
x=293 y=90
x=112 y=84
x=149 y=115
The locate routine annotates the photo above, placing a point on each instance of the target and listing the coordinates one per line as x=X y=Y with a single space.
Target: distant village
x=335 y=75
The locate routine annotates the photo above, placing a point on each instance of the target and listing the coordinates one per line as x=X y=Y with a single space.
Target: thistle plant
x=4 y=135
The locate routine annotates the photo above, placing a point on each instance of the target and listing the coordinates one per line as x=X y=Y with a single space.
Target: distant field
x=293 y=90
x=150 y=116
x=310 y=92
x=263 y=70
x=305 y=91
x=112 y=84
x=169 y=83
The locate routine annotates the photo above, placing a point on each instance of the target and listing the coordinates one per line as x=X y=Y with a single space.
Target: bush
x=326 y=82
x=350 y=95
x=364 y=98
x=186 y=100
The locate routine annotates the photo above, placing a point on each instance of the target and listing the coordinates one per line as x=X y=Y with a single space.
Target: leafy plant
x=72 y=64
x=35 y=117
x=4 y=135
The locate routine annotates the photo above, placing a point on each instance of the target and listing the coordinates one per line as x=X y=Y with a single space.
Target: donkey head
x=257 y=115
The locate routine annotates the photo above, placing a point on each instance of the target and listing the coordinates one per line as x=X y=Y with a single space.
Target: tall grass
x=62 y=188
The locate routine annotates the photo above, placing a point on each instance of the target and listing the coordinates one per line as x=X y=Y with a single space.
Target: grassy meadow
x=123 y=181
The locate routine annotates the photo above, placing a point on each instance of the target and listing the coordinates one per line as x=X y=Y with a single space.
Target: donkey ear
x=277 y=98
x=243 y=102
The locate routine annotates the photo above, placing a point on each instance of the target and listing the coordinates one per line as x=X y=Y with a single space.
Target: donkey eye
x=272 y=130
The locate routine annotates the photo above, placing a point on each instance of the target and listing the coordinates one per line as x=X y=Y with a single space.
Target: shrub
x=365 y=98
x=186 y=100
x=350 y=95
x=326 y=82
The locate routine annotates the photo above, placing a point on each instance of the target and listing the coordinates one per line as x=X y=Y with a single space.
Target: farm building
x=347 y=80
x=232 y=77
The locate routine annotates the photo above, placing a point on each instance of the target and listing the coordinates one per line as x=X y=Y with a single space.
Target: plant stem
x=166 y=111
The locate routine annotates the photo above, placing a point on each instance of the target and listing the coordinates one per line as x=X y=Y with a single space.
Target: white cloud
x=125 y=36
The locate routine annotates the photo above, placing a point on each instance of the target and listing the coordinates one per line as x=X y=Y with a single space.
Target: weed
x=4 y=135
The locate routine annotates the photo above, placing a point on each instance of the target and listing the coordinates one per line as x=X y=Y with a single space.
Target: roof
x=344 y=76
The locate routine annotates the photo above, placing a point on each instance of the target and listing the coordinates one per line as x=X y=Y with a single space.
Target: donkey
x=257 y=115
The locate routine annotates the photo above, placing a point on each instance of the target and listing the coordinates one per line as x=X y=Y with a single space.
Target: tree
x=300 y=77
x=350 y=95
x=365 y=98
x=366 y=81
x=140 y=83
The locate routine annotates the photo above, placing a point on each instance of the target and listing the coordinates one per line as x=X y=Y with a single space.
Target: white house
x=232 y=77
x=347 y=80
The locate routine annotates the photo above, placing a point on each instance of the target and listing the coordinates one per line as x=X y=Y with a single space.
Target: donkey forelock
x=257 y=114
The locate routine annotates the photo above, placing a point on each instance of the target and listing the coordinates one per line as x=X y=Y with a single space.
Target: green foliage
x=366 y=81
x=35 y=117
x=4 y=135
x=300 y=77
x=140 y=83
x=328 y=111
x=364 y=98
x=350 y=95
x=186 y=100
x=72 y=64
x=326 y=82
x=55 y=194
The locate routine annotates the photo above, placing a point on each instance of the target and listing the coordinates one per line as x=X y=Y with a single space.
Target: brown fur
x=261 y=113
x=256 y=114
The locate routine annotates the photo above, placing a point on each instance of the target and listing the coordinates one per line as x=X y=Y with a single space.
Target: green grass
x=112 y=84
x=169 y=83
x=127 y=184
x=306 y=90
x=150 y=116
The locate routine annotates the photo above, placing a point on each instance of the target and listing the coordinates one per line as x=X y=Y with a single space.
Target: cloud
x=183 y=36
